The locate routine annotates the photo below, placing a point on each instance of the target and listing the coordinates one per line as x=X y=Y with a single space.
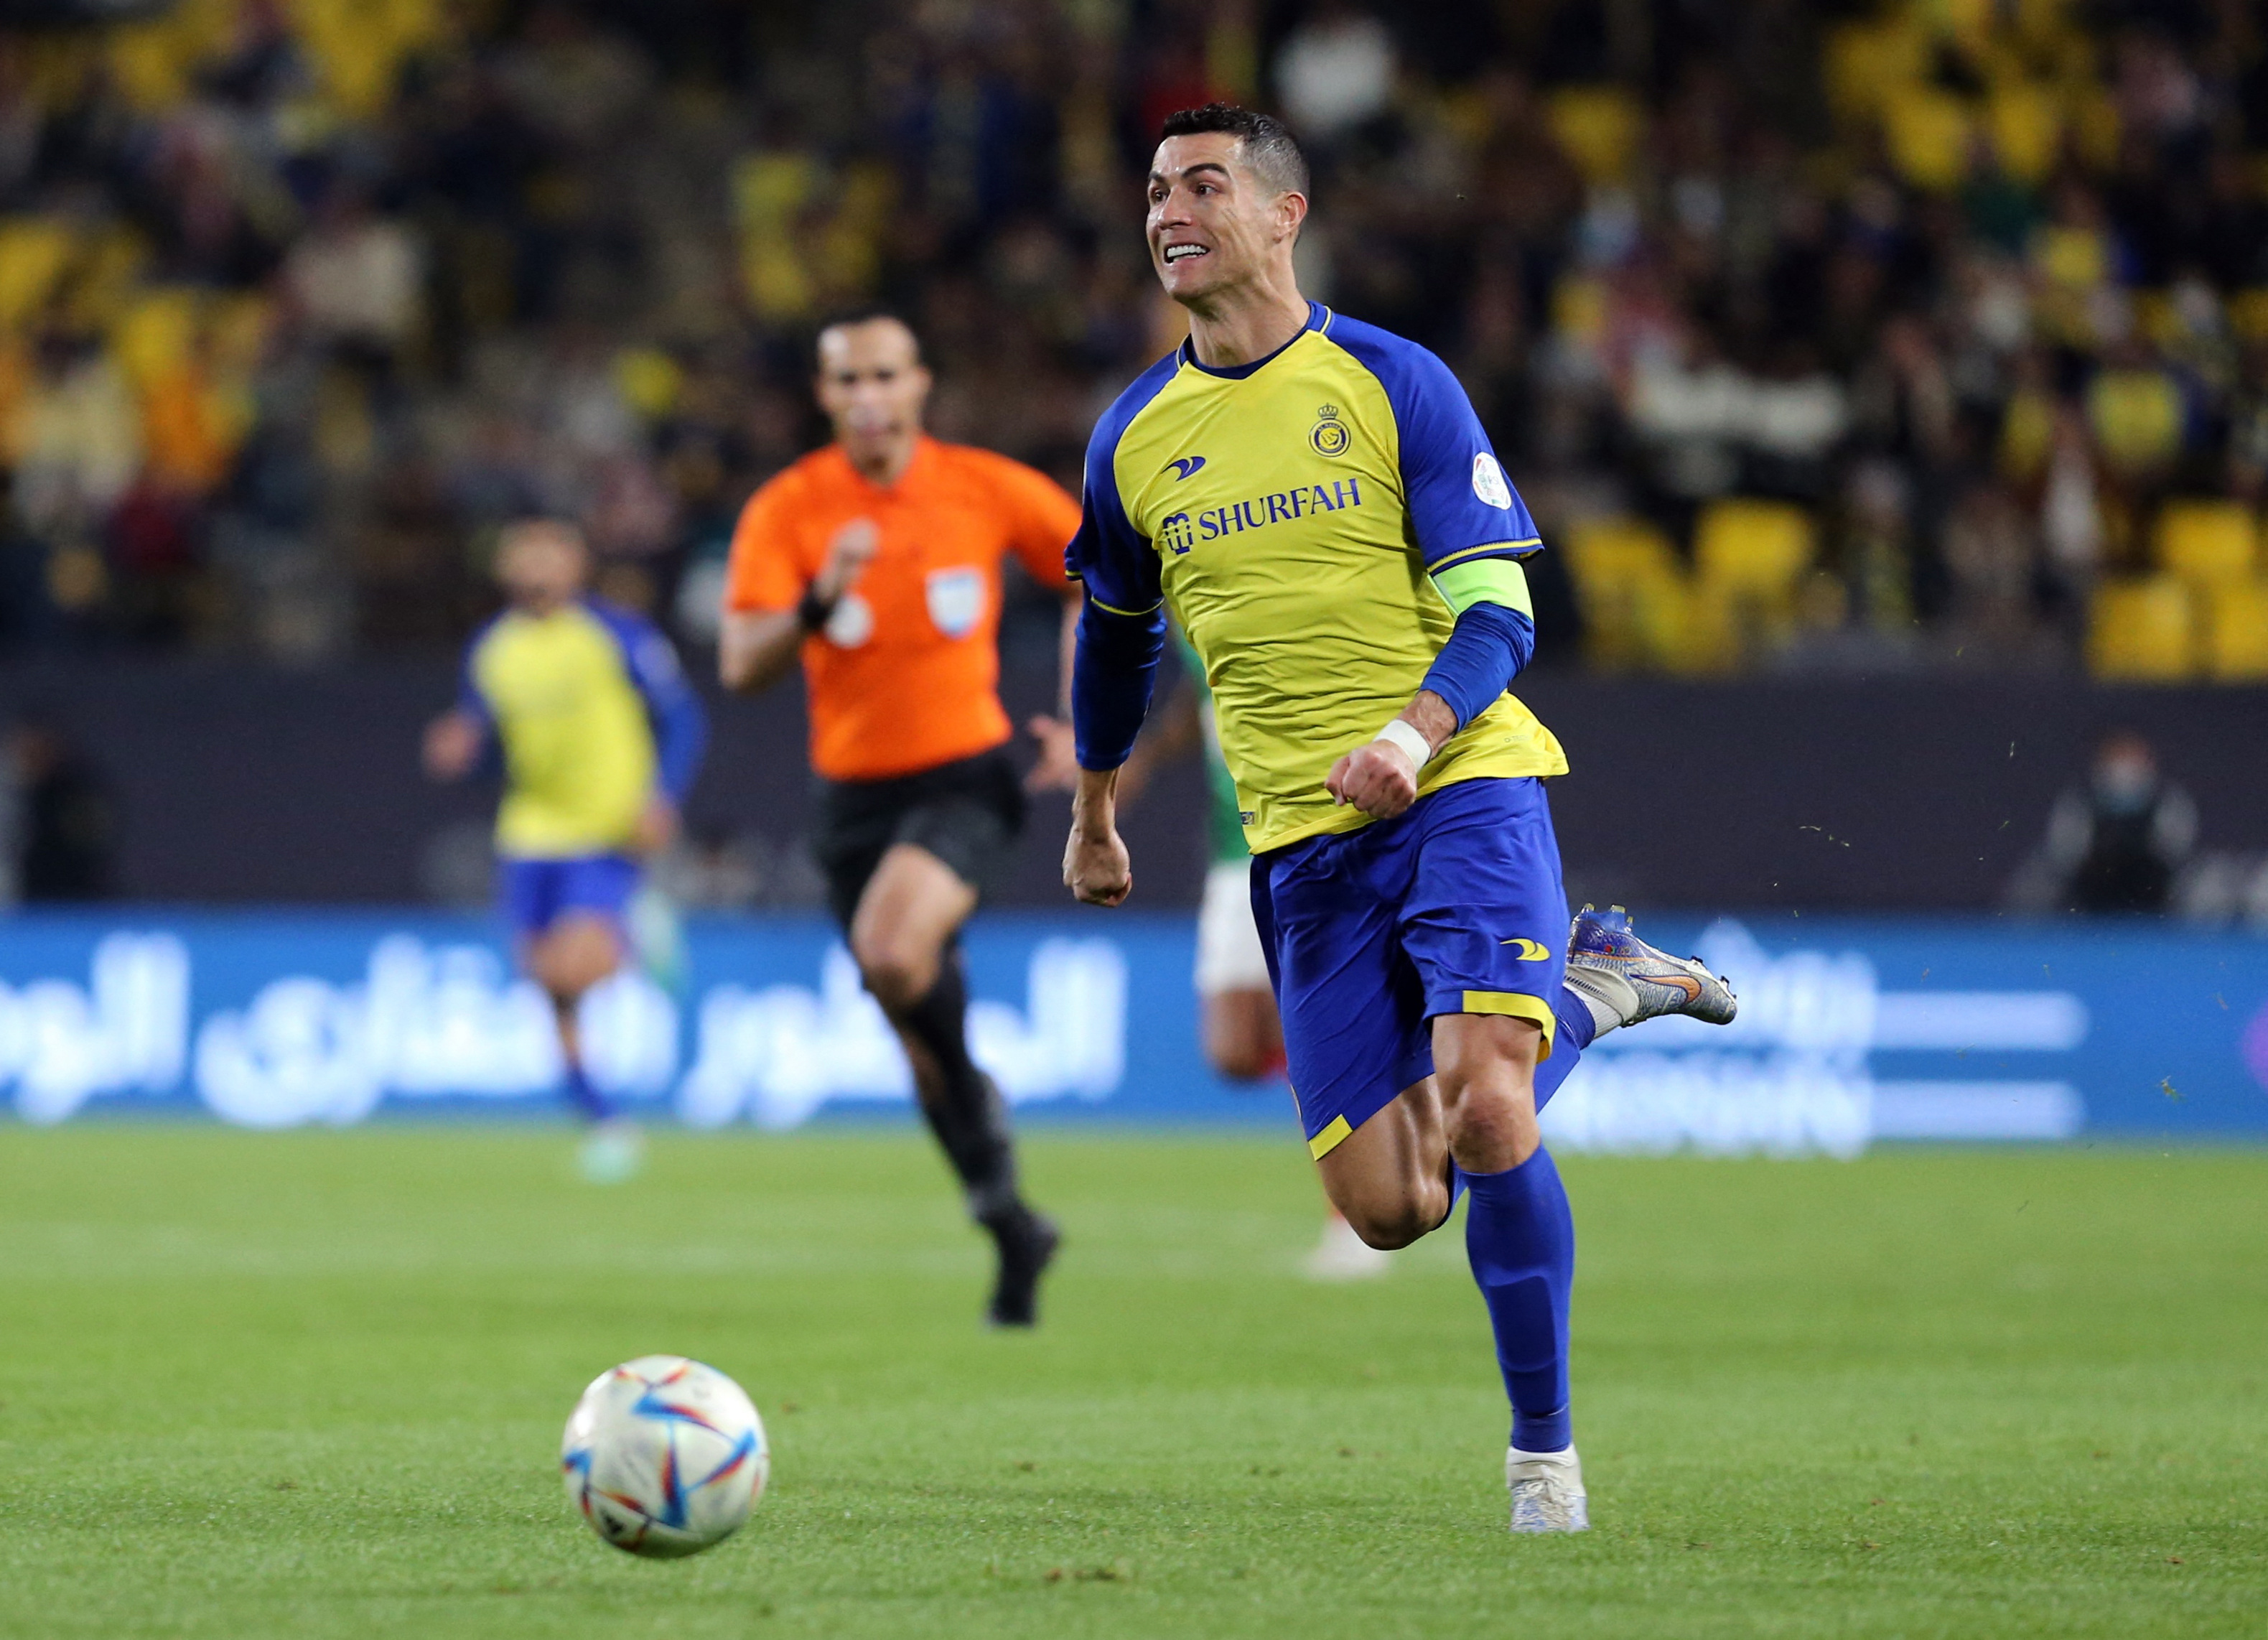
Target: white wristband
x=1409 y=739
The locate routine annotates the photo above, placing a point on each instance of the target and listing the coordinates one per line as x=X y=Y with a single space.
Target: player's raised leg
x=904 y=937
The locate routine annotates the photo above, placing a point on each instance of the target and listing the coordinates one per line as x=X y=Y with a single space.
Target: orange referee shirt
x=906 y=676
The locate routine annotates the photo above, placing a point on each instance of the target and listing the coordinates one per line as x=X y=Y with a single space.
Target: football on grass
x=664 y=1455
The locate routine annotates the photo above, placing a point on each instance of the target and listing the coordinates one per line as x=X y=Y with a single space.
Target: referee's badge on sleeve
x=956 y=600
x=1489 y=482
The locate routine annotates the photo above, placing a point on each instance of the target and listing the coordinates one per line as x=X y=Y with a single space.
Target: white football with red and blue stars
x=665 y=1456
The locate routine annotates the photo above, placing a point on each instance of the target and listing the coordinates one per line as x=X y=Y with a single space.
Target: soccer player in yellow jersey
x=1315 y=501
x=599 y=736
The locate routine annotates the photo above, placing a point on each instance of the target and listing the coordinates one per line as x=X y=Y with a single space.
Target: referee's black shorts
x=969 y=814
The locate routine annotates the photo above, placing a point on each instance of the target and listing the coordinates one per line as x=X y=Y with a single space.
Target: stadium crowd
x=1818 y=334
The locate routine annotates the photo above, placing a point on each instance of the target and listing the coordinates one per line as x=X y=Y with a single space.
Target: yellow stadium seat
x=1628 y=582
x=2141 y=631
x=2205 y=542
x=2136 y=415
x=2236 y=631
x=34 y=252
x=2027 y=127
x=2095 y=124
x=1757 y=547
x=1928 y=136
x=1599 y=126
x=152 y=337
x=2248 y=314
x=1866 y=61
x=1747 y=558
x=1618 y=550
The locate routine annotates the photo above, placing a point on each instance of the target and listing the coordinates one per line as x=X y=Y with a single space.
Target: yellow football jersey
x=592 y=716
x=1289 y=513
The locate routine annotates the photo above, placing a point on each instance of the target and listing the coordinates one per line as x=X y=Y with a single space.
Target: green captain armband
x=1484 y=580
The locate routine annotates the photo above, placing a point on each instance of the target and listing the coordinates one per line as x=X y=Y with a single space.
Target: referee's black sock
x=967 y=1116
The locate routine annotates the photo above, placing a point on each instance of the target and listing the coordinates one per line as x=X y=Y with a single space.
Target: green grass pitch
x=312 y=1384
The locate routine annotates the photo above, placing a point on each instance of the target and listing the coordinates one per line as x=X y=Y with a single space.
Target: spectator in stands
x=2114 y=846
x=66 y=826
x=1974 y=259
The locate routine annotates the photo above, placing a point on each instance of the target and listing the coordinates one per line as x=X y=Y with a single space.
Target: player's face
x=542 y=566
x=871 y=383
x=1213 y=223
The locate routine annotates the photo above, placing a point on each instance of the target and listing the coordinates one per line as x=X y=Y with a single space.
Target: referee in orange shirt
x=878 y=560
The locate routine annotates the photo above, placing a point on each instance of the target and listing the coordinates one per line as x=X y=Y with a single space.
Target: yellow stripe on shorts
x=1324 y=1142
x=1515 y=1005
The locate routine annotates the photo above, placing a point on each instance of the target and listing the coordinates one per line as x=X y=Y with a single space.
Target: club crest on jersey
x=1184 y=465
x=1176 y=532
x=1330 y=434
x=956 y=600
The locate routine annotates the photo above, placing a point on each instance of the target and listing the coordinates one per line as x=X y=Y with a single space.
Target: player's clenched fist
x=1377 y=777
x=1097 y=868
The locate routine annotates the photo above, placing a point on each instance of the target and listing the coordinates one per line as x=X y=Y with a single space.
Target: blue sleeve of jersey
x=474 y=704
x=1483 y=654
x=1461 y=506
x=1113 y=673
x=681 y=726
x=1122 y=630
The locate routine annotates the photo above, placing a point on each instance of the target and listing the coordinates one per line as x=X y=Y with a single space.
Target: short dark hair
x=872 y=313
x=1269 y=148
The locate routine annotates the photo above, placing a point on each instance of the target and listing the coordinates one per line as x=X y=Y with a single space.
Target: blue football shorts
x=534 y=894
x=1455 y=907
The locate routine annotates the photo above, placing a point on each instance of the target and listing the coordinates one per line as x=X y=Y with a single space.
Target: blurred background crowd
x=1818 y=334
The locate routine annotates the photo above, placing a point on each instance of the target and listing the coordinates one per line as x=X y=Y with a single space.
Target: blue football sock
x=582 y=1094
x=1520 y=1238
x=1576 y=1029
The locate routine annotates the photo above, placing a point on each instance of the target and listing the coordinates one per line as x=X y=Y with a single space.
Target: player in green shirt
x=1243 y=1035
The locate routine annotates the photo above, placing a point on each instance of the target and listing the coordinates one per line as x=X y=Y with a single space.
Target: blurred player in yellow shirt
x=599 y=736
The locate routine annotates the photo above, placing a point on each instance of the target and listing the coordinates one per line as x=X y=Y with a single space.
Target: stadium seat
x=34 y=252
x=1627 y=581
x=2248 y=314
x=1928 y=136
x=1599 y=126
x=159 y=330
x=1755 y=547
x=2093 y=114
x=1747 y=558
x=2236 y=631
x=2136 y=415
x=1866 y=60
x=2205 y=542
x=2141 y=631
x=2027 y=127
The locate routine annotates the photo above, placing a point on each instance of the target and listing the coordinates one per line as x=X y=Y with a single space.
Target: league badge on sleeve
x=1489 y=482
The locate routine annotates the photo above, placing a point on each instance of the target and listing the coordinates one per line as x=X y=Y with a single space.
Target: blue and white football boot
x=1547 y=1491
x=1624 y=979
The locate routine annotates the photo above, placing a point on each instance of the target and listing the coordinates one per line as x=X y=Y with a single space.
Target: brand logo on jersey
x=1527 y=950
x=1282 y=508
x=1174 y=533
x=1489 y=482
x=1183 y=466
x=1330 y=434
